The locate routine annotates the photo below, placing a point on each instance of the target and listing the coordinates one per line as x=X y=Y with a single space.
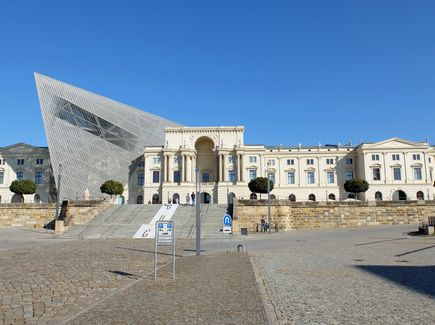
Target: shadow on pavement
x=145 y=251
x=417 y=278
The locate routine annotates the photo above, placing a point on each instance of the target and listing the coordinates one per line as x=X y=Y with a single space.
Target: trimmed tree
x=259 y=185
x=112 y=187
x=23 y=187
x=356 y=186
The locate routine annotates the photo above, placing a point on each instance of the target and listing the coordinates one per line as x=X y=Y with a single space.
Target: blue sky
x=290 y=71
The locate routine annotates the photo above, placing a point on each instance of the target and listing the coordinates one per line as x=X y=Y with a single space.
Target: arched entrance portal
x=420 y=195
x=176 y=198
x=156 y=199
x=206 y=159
x=253 y=196
x=378 y=196
x=205 y=198
x=399 y=196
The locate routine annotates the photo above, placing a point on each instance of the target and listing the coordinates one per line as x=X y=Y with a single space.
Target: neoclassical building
x=23 y=161
x=396 y=169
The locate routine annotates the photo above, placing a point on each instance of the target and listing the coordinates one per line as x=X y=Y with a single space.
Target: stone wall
x=38 y=215
x=310 y=215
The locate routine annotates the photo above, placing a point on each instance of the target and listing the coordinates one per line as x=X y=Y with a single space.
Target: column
x=170 y=174
x=189 y=169
x=223 y=168
x=242 y=172
x=238 y=167
x=220 y=168
x=185 y=168
x=164 y=168
x=192 y=170
x=181 y=168
x=405 y=168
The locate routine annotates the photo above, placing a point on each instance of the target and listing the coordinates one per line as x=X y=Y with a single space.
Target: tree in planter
x=23 y=187
x=356 y=186
x=259 y=185
x=112 y=187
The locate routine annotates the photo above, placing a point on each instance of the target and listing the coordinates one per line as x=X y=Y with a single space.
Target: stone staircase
x=211 y=221
x=123 y=221
x=117 y=221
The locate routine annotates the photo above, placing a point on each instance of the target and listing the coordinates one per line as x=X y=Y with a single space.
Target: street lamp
x=268 y=196
x=198 y=212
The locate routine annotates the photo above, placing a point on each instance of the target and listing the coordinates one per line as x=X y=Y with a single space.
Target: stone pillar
x=223 y=168
x=181 y=168
x=220 y=168
x=242 y=171
x=189 y=169
x=185 y=168
x=192 y=170
x=239 y=168
x=170 y=175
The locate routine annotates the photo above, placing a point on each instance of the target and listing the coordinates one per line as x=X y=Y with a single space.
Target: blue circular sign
x=227 y=220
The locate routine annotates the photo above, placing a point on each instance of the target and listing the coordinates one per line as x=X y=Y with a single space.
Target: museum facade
x=92 y=138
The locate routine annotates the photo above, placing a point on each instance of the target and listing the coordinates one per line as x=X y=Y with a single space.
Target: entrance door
x=205 y=198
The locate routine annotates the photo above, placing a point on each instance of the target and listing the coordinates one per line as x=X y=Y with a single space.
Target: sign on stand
x=165 y=236
x=226 y=229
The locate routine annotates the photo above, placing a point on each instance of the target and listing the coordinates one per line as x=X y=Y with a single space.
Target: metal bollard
x=240 y=247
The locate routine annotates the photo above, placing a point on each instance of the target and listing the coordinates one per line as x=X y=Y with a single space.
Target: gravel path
x=342 y=277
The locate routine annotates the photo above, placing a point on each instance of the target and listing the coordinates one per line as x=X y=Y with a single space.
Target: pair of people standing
x=190 y=197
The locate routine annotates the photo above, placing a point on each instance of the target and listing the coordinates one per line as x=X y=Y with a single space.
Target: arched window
x=351 y=196
x=292 y=197
x=272 y=197
x=176 y=198
x=331 y=197
x=420 y=195
x=378 y=196
x=399 y=196
x=312 y=197
x=139 y=199
x=253 y=196
x=156 y=199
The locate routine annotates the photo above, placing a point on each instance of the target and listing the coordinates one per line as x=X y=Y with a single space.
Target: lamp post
x=198 y=212
x=268 y=197
x=59 y=177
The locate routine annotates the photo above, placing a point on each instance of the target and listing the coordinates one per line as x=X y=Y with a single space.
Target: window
x=329 y=161
x=292 y=197
x=19 y=175
x=252 y=159
x=38 y=177
x=397 y=174
x=420 y=195
x=349 y=161
x=416 y=156
x=156 y=160
x=375 y=157
x=427 y=158
x=156 y=176
x=232 y=175
x=349 y=175
x=272 y=177
x=376 y=174
x=141 y=164
x=253 y=196
x=139 y=199
x=176 y=160
x=271 y=162
x=20 y=162
x=140 y=179
x=232 y=159
x=417 y=174
x=312 y=197
x=291 y=177
x=290 y=161
x=39 y=161
x=310 y=161
x=2 y=161
x=205 y=177
x=330 y=177
x=177 y=176
x=396 y=157
x=252 y=174
x=331 y=197
x=310 y=178
x=2 y=177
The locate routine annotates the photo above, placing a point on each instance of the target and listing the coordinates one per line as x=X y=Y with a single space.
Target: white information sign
x=165 y=232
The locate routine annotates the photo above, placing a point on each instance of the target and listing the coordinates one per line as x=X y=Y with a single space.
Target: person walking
x=193 y=196
x=187 y=199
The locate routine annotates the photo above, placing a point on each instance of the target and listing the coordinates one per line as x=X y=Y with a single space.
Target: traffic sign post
x=165 y=236
x=226 y=229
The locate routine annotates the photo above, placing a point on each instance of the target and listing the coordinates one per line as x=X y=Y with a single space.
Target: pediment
x=376 y=165
x=396 y=143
